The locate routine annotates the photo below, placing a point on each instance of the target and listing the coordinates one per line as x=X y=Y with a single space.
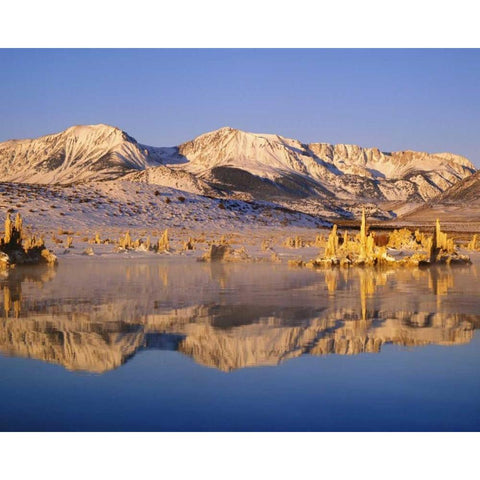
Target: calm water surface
x=167 y=344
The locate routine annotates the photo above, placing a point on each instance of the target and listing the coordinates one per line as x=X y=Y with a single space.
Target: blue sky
x=394 y=99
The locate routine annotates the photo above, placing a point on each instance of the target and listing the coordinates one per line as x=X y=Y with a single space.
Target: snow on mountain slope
x=466 y=191
x=80 y=153
x=168 y=177
x=458 y=204
x=236 y=164
x=262 y=155
x=373 y=163
x=341 y=170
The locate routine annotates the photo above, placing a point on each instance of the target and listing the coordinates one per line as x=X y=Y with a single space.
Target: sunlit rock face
x=221 y=320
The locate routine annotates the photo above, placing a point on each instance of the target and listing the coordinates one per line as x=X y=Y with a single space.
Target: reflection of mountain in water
x=98 y=336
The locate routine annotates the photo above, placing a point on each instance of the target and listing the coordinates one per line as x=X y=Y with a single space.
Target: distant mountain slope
x=343 y=171
x=231 y=162
x=460 y=204
x=93 y=152
x=167 y=177
x=468 y=190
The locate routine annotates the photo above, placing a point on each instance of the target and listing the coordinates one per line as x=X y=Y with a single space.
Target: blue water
x=434 y=385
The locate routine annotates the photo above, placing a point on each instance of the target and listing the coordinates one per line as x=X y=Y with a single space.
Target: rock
x=17 y=249
x=4 y=260
x=49 y=257
x=215 y=254
x=225 y=253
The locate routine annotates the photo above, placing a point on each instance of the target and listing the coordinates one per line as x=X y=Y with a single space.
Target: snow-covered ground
x=127 y=204
x=111 y=208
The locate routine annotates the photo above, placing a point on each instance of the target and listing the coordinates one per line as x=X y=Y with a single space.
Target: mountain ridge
x=233 y=163
x=458 y=204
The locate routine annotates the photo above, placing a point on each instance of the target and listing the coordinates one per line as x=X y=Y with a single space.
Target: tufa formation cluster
x=403 y=248
x=16 y=248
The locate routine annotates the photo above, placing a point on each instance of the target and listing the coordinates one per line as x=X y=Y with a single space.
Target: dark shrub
x=381 y=239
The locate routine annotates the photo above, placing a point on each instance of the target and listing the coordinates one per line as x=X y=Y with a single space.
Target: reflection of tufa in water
x=11 y=284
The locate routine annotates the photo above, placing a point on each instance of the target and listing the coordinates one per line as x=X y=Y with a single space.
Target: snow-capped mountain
x=290 y=167
x=230 y=162
x=80 y=153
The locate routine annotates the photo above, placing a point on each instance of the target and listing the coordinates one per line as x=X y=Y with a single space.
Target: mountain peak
x=91 y=127
x=227 y=129
x=100 y=130
x=79 y=153
x=221 y=133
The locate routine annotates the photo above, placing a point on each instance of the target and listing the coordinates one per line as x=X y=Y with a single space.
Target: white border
x=238 y=24
x=247 y=23
x=238 y=456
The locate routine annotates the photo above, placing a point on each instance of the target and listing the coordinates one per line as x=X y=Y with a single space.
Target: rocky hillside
x=466 y=191
x=459 y=204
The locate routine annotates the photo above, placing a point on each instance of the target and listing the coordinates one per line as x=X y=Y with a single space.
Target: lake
x=170 y=344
